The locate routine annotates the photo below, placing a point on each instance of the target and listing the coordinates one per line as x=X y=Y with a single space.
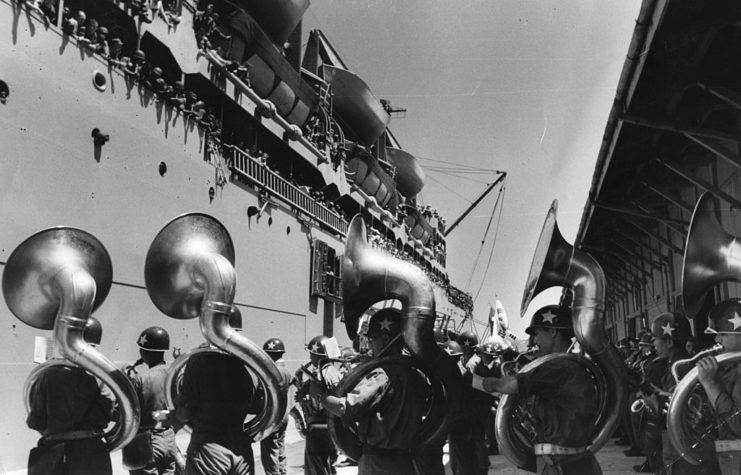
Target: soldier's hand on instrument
x=707 y=368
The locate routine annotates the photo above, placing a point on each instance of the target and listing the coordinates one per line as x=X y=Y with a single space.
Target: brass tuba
x=557 y=263
x=711 y=256
x=370 y=276
x=54 y=280
x=189 y=272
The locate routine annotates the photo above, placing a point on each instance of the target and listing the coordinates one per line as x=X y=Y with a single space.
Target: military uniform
x=273 y=447
x=217 y=394
x=319 y=452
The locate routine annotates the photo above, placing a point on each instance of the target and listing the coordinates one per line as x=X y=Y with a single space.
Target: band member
x=70 y=410
x=565 y=397
x=648 y=421
x=723 y=385
x=273 y=447
x=155 y=444
x=216 y=396
x=469 y=341
x=319 y=452
x=386 y=407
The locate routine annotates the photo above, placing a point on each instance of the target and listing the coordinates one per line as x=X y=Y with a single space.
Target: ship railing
x=263 y=104
x=251 y=170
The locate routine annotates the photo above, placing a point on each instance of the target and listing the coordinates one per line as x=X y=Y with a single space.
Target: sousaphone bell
x=54 y=280
x=558 y=263
x=189 y=272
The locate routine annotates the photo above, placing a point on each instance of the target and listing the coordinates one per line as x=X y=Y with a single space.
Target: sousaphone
x=558 y=263
x=54 y=280
x=370 y=276
x=711 y=256
x=189 y=272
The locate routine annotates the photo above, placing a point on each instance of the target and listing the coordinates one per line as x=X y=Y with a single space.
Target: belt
x=727 y=445
x=553 y=449
x=74 y=435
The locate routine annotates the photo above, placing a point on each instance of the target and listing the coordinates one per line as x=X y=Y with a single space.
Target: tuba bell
x=711 y=256
x=54 y=280
x=557 y=263
x=189 y=272
x=370 y=276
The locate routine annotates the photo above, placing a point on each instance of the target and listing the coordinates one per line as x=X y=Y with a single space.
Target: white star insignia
x=386 y=324
x=449 y=351
x=315 y=347
x=668 y=329
x=736 y=320
x=548 y=317
x=467 y=343
x=142 y=340
x=271 y=345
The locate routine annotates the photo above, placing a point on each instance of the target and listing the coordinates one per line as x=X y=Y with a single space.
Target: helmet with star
x=725 y=317
x=274 y=345
x=316 y=345
x=550 y=317
x=494 y=346
x=154 y=339
x=452 y=348
x=386 y=320
x=468 y=339
x=671 y=326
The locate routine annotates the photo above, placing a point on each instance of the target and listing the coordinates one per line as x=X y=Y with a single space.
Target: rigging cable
x=483 y=239
x=491 y=254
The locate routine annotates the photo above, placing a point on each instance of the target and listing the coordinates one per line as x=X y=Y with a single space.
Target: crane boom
x=488 y=189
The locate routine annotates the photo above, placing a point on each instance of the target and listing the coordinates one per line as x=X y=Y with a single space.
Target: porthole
x=99 y=81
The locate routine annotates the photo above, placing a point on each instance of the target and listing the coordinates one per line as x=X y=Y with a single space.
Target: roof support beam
x=681 y=204
x=682 y=231
x=639 y=214
x=719 y=148
x=641 y=260
x=621 y=259
x=722 y=93
x=679 y=129
x=700 y=183
x=656 y=253
x=661 y=239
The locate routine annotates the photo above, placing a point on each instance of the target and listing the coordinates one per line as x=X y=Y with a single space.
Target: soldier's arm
x=505 y=384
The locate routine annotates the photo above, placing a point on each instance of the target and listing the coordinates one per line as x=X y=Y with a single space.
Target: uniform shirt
x=387 y=406
x=68 y=398
x=150 y=387
x=217 y=394
x=564 y=402
x=311 y=405
x=286 y=384
x=728 y=404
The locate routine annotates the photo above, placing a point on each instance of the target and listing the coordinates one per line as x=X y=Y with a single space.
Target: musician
x=216 y=395
x=71 y=410
x=469 y=341
x=648 y=421
x=565 y=398
x=319 y=451
x=156 y=437
x=273 y=447
x=723 y=385
x=386 y=407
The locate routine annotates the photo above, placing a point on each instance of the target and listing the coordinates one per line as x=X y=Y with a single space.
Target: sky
x=522 y=86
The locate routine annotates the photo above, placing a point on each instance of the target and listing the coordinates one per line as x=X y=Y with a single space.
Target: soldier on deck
x=273 y=447
x=154 y=449
x=70 y=410
x=319 y=453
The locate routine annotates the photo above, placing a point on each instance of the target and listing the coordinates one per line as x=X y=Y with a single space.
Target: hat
x=154 y=339
x=386 y=320
x=274 y=345
x=671 y=326
x=468 y=339
x=646 y=340
x=725 y=317
x=550 y=316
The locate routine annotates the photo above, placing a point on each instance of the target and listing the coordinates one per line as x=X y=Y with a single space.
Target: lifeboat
x=356 y=105
x=419 y=227
x=410 y=178
x=365 y=171
x=277 y=18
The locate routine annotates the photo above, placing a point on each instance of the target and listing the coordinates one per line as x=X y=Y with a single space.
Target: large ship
x=118 y=116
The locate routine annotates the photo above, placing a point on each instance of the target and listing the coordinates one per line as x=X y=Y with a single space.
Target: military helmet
x=386 y=320
x=139 y=54
x=102 y=31
x=550 y=316
x=316 y=345
x=157 y=71
x=440 y=336
x=725 y=317
x=645 y=340
x=452 y=348
x=494 y=346
x=93 y=331
x=154 y=339
x=671 y=326
x=468 y=339
x=274 y=345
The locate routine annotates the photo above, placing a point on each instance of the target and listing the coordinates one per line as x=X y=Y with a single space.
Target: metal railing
x=251 y=170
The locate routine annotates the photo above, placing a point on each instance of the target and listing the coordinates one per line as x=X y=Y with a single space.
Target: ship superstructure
x=119 y=125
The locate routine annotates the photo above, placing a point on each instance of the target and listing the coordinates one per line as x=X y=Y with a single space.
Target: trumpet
x=681 y=367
